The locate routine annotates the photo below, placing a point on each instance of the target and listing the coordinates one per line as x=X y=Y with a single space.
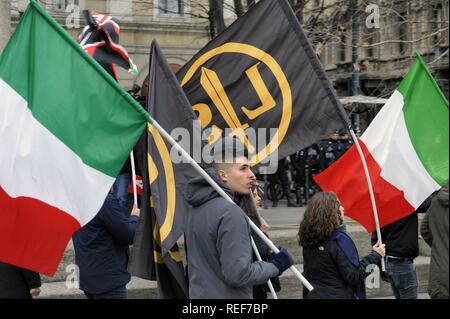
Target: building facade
x=374 y=43
x=387 y=37
x=384 y=37
x=180 y=27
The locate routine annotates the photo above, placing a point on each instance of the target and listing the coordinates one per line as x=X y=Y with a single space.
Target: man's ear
x=223 y=175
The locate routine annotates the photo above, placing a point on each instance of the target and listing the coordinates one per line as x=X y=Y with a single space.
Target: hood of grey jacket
x=198 y=191
x=442 y=196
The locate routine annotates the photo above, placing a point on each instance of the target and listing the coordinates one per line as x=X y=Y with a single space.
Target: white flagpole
x=258 y=256
x=85 y=39
x=133 y=179
x=372 y=196
x=225 y=196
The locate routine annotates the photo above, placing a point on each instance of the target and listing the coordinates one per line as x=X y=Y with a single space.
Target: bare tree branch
x=438 y=58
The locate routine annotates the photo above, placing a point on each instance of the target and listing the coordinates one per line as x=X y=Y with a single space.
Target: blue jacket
x=101 y=248
x=334 y=269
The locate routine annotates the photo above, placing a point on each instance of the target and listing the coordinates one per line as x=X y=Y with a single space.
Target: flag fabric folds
x=146 y=260
x=66 y=128
x=262 y=72
x=169 y=106
x=100 y=39
x=406 y=150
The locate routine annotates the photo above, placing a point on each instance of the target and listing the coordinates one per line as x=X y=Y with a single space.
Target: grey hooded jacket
x=219 y=251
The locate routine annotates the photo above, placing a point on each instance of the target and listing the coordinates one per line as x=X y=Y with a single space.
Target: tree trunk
x=216 y=20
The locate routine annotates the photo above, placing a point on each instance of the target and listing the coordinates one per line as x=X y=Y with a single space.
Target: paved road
x=283 y=215
x=290 y=216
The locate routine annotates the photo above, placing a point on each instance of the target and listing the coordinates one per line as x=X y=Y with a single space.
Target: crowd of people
x=220 y=260
x=293 y=179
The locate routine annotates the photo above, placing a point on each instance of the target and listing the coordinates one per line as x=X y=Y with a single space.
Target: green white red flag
x=406 y=150
x=66 y=129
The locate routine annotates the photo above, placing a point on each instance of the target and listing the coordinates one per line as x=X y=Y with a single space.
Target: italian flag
x=66 y=129
x=406 y=150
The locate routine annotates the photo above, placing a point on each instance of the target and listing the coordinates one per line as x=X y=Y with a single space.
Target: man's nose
x=250 y=174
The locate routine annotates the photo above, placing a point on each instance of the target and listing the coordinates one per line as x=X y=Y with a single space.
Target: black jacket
x=16 y=282
x=101 y=248
x=331 y=273
x=402 y=236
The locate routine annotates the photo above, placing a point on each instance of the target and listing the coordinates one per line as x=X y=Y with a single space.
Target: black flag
x=168 y=105
x=155 y=252
x=146 y=260
x=262 y=72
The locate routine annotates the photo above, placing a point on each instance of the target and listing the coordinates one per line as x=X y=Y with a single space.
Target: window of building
x=368 y=37
x=329 y=54
x=369 y=50
x=171 y=7
x=61 y=5
x=120 y=8
x=438 y=16
x=343 y=47
x=403 y=31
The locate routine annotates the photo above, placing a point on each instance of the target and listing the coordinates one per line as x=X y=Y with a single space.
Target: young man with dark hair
x=219 y=250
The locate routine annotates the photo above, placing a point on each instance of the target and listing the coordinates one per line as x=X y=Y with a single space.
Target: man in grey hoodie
x=219 y=251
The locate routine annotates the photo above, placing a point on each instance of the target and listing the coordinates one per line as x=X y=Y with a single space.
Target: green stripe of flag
x=70 y=93
x=426 y=116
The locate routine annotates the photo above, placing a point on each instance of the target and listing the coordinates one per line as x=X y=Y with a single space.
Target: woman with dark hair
x=331 y=261
x=258 y=194
x=249 y=204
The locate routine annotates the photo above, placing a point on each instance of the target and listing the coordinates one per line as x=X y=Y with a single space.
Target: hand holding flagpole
x=269 y=282
x=372 y=196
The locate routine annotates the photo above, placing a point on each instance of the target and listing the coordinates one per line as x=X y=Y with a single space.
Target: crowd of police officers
x=293 y=179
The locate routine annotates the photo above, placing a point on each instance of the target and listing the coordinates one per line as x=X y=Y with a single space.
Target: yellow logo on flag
x=212 y=85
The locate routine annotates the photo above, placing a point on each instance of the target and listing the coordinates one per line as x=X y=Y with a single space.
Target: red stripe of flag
x=346 y=178
x=33 y=234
